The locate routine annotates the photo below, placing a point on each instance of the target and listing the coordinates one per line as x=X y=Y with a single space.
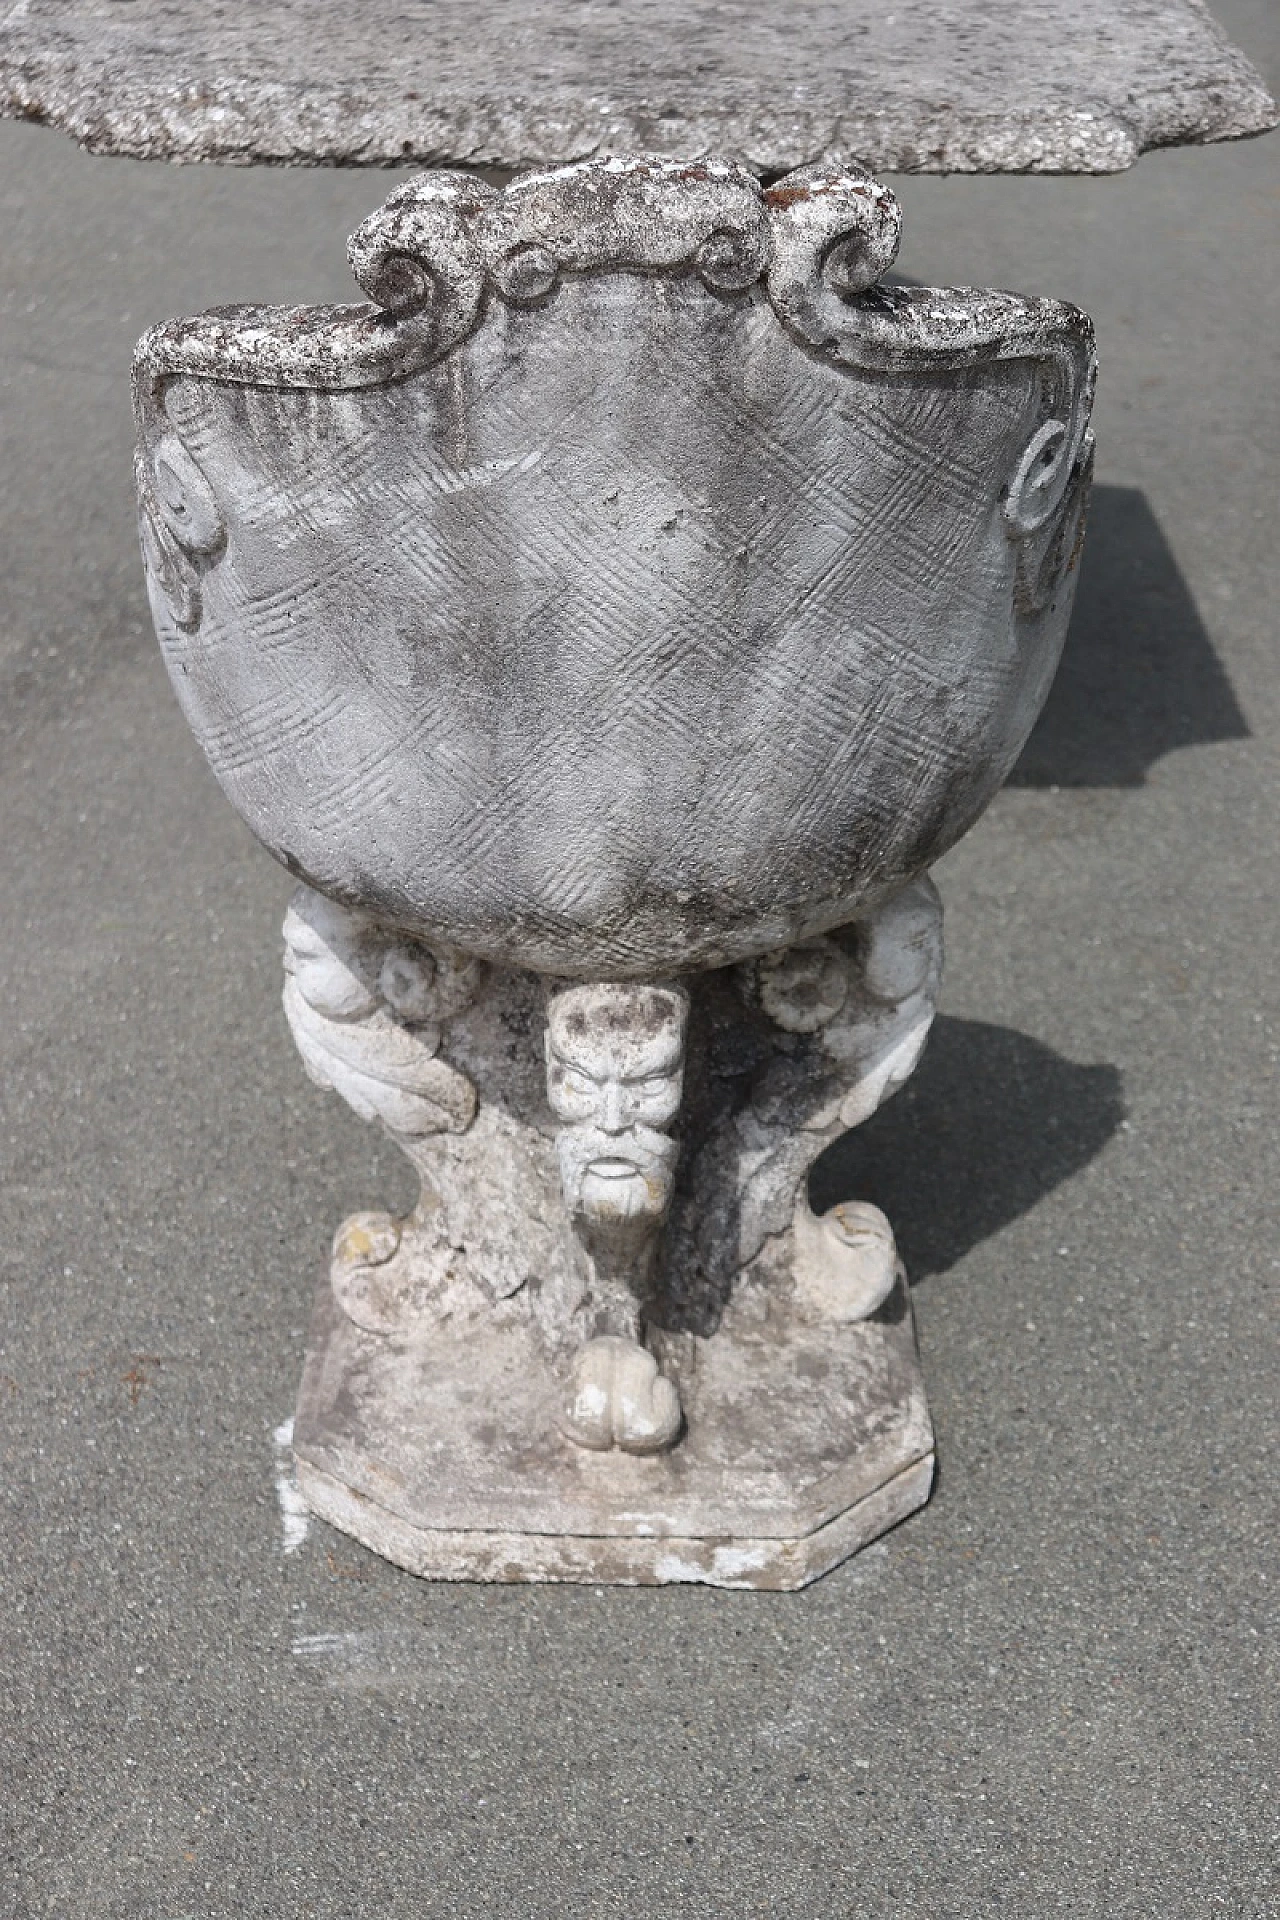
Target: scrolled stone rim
x=445 y=244
x=626 y=213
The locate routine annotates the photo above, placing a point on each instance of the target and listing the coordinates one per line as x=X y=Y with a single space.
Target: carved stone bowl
x=638 y=584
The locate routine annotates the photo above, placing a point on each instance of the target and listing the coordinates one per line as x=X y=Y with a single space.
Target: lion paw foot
x=619 y=1398
x=846 y=1262
x=364 y=1287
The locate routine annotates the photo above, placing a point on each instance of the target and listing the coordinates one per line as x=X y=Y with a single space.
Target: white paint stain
x=384 y=1659
x=295 y=1515
x=732 y=1561
x=729 y=1565
x=464 y=479
x=669 y=1567
x=321 y=1646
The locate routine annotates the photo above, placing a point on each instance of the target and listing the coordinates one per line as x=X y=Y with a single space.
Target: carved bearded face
x=615 y=1075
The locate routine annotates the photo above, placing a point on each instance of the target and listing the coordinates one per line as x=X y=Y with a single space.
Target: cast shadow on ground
x=1139 y=675
x=990 y=1122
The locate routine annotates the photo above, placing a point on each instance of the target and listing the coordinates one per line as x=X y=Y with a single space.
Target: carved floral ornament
x=445 y=245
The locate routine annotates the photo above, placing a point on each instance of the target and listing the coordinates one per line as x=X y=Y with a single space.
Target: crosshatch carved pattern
x=631 y=632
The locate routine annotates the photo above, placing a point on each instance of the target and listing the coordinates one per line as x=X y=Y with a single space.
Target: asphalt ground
x=1053 y=1691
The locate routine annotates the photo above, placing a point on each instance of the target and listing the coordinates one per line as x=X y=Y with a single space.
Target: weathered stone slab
x=925 y=86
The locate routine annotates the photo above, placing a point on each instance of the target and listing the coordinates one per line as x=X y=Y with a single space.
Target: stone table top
x=927 y=86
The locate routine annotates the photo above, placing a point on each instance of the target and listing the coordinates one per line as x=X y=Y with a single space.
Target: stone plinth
x=438 y=1448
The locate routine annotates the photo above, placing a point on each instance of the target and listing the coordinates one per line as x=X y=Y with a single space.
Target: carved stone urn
x=608 y=625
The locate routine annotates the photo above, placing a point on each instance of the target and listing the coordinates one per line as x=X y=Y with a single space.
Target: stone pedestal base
x=439 y=1448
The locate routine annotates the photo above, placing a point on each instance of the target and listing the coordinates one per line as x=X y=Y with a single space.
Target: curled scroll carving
x=367 y=1018
x=839 y=1024
x=820 y=239
x=417 y=255
x=441 y=238
x=180 y=524
x=833 y=232
x=428 y=1042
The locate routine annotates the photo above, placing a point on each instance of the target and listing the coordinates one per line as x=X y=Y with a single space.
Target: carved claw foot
x=618 y=1398
x=363 y=1248
x=846 y=1261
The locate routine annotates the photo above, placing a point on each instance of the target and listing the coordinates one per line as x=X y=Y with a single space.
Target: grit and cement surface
x=927 y=85
x=1053 y=1691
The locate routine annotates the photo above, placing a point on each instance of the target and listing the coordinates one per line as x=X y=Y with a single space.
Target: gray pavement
x=1051 y=1692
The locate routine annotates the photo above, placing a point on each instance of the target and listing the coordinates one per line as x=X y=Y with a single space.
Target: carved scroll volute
x=853 y=1009
x=417 y=256
x=367 y=1016
x=1047 y=496
x=630 y=211
x=833 y=232
x=368 y=1011
x=1058 y=455
x=180 y=524
x=441 y=240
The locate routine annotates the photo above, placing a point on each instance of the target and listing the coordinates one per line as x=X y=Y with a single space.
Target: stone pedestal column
x=623 y=1261
x=609 y=623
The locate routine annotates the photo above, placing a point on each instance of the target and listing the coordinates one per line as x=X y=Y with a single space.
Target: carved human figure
x=615 y=1080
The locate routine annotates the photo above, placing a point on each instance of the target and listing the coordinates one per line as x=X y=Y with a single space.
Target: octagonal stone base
x=439 y=1449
